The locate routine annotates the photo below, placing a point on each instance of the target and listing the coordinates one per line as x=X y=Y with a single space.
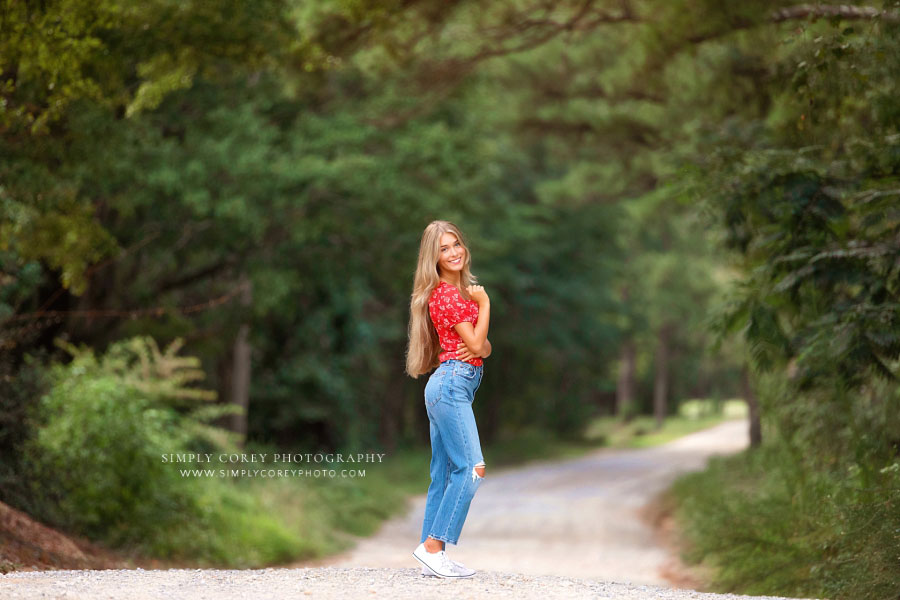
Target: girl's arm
x=463 y=352
x=475 y=337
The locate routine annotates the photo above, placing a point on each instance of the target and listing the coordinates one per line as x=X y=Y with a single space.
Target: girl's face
x=451 y=254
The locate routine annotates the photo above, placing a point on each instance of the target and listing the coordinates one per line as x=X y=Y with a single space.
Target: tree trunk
x=661 y=380
x=625 y=384
x=239 y=390
x=753 y=406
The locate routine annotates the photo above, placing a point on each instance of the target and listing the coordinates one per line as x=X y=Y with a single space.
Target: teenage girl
x=448 y=327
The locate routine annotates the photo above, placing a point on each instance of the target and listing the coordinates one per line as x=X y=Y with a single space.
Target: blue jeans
x=455 y=448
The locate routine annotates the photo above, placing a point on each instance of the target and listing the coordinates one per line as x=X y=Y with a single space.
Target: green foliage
x=125 y=55
x=56 y=228
x=96 y=463
x=58 y=56
x=769 y=524
x=252 y=156
x=812 y=209
x=21 y=387
x=804 y=184
x=641 y=431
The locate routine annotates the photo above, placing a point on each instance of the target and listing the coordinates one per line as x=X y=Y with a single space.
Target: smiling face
x=451 y=255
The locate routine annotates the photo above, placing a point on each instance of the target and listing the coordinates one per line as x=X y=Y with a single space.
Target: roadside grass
x=761 y=523
x=641 y=431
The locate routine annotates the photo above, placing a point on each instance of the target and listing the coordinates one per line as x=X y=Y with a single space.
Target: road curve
x=573 y=518
x=556 y=530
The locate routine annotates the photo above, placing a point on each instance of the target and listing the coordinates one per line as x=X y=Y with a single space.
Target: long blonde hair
x=424 y=348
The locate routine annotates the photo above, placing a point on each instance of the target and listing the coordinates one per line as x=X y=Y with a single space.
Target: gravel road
x=563 y=529
x=575 y=518
x=329 y=583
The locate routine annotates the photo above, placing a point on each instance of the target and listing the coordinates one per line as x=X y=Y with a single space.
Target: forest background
x=664 y=200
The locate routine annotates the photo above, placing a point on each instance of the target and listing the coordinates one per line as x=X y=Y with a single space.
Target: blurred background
x=210 y=214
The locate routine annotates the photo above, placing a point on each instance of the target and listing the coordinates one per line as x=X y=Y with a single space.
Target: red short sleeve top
x=447 y=307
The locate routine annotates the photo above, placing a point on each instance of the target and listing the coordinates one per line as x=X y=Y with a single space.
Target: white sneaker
x=460 y=568
x=438 y=563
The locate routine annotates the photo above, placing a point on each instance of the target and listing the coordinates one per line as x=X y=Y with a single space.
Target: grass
x=641 y=431
x=762 y=523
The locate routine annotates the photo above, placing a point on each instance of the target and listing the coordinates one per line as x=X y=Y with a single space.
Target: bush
x=97 y=466
x=804 y=515
x=21 y=386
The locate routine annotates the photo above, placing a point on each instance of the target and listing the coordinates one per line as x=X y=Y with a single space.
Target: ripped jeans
x=455 y=448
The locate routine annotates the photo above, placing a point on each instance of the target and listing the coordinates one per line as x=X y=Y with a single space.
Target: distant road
x=575 y=518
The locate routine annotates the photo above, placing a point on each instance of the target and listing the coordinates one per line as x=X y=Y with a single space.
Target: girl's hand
x=463 y=353
x=477 y=293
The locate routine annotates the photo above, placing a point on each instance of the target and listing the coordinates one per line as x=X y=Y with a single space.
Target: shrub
x=97 y=466
x=804 y=515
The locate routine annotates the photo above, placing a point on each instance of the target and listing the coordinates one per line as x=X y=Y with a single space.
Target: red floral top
x=447 y=307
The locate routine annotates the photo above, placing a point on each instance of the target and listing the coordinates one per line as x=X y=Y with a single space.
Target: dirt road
x=556 y=531
x=576 y=518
